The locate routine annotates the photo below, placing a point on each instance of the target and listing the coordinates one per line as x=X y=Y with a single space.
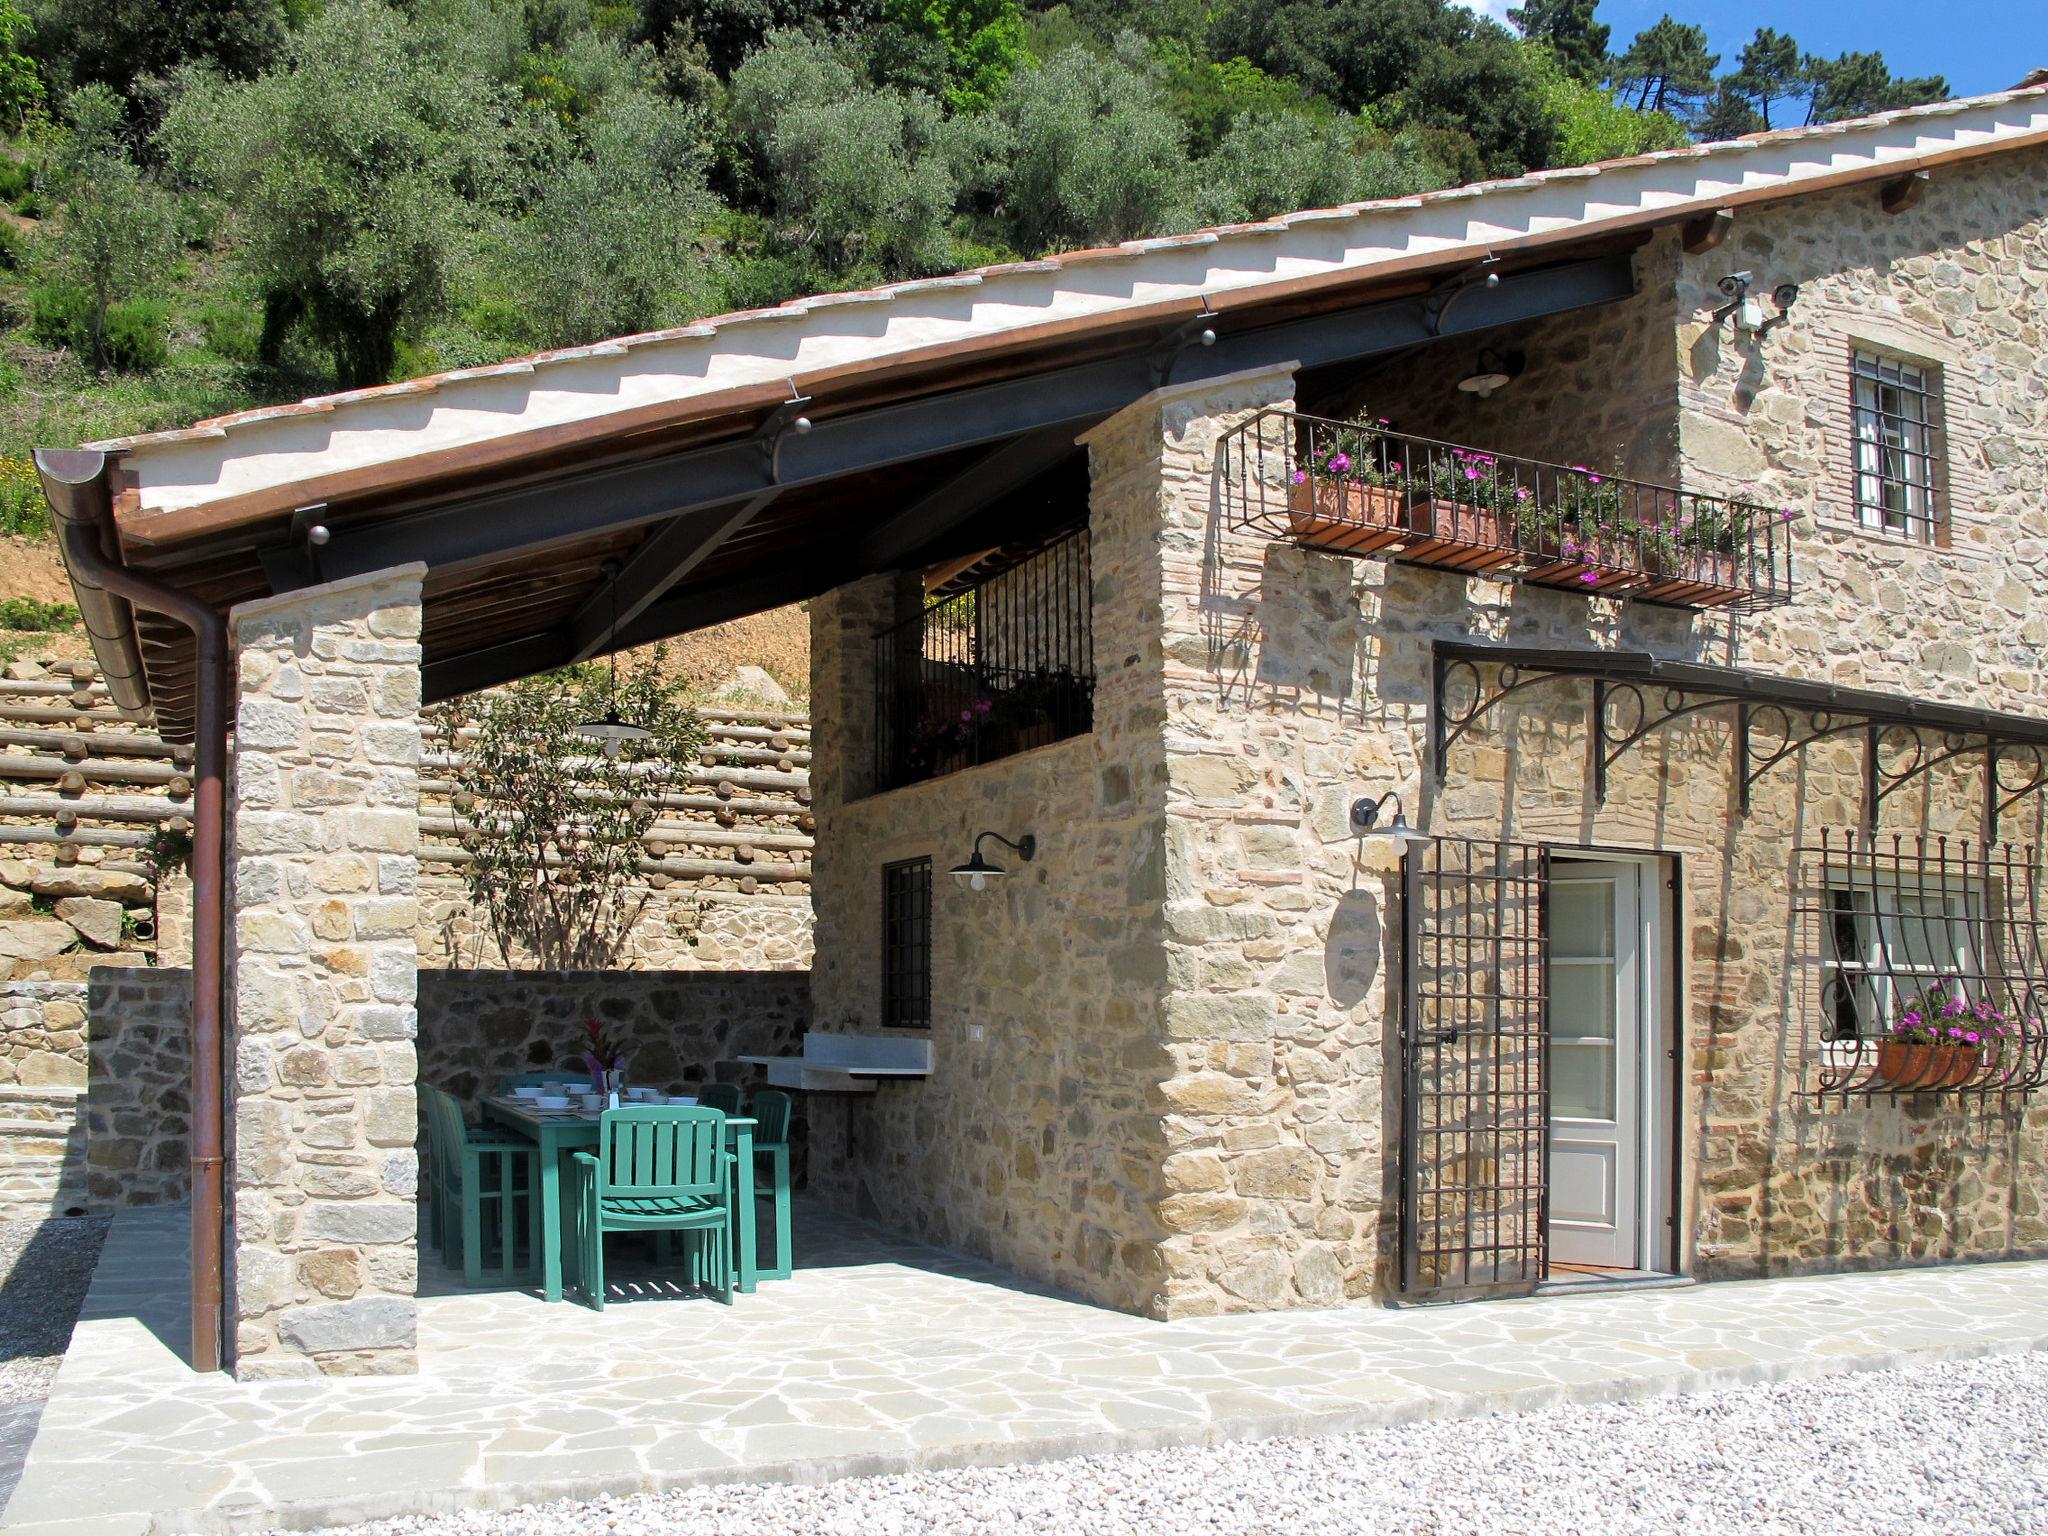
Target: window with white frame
x=1887 y=941
x=1896 y=415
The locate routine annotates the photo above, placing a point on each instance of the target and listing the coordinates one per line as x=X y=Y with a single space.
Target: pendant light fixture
x=610 y=729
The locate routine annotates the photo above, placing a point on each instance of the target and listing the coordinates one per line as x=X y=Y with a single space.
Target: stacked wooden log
x=83 y=791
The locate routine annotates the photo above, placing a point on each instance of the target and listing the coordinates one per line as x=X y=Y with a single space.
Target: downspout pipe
x=75 y=482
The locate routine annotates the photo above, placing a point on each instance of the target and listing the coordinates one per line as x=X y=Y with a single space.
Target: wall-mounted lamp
x=977 y=872
x=1494 y=370
x=1365 y=821
x=1748 y=312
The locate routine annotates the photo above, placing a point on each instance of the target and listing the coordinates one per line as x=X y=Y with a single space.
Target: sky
x=1980 y=45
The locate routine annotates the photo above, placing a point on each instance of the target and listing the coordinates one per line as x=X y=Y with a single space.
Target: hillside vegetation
x=214 y=204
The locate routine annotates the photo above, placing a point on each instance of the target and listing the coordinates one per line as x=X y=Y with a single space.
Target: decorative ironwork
x=1775 y=719
x=1362 y=488
x=1929 y=968
x=988 y=669
x=1475 y=1096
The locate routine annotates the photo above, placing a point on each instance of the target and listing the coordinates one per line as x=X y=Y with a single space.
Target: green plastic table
x=558 y=1132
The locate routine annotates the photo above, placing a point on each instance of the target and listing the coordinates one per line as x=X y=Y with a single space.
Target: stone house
x=1409 y=751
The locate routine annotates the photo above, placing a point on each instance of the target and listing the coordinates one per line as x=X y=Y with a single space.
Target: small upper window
x=907 y=944
x=1896 y=409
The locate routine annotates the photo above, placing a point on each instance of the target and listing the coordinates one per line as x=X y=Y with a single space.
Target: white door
x=1597 y=1018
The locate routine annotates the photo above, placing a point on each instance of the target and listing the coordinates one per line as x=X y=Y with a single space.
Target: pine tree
x=1579 y=41
x=1771 y=70
x=1668 y=67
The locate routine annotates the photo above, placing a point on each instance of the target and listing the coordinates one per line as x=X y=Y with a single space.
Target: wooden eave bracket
x=1905 y=192
x=1706 y=232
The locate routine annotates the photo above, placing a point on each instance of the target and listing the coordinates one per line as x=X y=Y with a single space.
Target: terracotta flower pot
x=1694 y=578
x=1459 y=535
x=1903 y=1065
x=1347 y=517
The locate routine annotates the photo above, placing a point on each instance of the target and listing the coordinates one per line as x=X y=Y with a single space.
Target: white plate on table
x=528 y=1091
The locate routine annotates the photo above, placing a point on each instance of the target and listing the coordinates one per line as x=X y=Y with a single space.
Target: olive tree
x=552 y=826
x=356 y=172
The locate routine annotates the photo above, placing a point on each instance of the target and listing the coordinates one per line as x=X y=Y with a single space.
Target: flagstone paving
x=879 y=1355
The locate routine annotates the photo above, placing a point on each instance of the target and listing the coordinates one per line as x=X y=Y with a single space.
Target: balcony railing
x=1363 y=489
x=989 y=669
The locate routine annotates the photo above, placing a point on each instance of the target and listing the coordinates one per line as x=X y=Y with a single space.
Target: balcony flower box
x=1595 y=566
x=1462 y=535
x=1695 y=578
x=1905 y=1067
x=1344 y=516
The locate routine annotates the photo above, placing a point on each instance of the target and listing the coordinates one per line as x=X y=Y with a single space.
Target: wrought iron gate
x=1475 y=1193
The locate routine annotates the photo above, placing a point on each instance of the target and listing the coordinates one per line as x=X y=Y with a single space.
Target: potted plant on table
x=1939 y=1038
x=605 y=1058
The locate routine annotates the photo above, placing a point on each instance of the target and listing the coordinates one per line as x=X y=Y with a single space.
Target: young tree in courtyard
x=553 y=827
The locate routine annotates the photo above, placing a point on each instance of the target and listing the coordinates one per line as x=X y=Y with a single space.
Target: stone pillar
x=1269 y=1014
x=324 y=832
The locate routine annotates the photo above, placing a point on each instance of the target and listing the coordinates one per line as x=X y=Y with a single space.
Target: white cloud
x=1497 y=9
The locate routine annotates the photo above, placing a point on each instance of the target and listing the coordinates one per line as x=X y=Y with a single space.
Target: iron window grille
x=1895 y=410
x=1928 y=957
x=1362 y=488
x=907 y=944
x=998 y=666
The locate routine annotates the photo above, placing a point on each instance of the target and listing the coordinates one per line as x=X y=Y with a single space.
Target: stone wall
x=1037 y=1140
x=680 y=1028
x=323 y=964
x=42 y=1034
x=138 y=1106
x=682 y=929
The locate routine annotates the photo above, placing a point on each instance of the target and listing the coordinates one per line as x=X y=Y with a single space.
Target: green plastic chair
x=771 y=1109
x=659 y=1168
x=485 y=1189
x=723 y=1097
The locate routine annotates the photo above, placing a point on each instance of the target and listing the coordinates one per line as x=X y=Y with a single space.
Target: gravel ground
x=1951 y=1447
x=44 y=1267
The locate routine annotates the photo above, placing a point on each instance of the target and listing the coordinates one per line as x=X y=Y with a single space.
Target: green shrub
x=60 y=316
x=138 y=335
x=22 y=509
x=233 y=330
x=137 y=330
x=17 y=179
x=11 y=253
x=25 y=613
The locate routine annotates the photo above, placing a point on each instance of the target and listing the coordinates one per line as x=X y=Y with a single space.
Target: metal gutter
x=75 y=482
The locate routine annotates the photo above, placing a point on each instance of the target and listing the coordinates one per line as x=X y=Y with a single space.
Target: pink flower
x=1521 y=493
x=1471 y=474
x=1394 y=468
x=1786 y=514
x=1594 y=478
x=967 y=715
x=1973 y=1037
x=1590 y=578
x=1955 y=1033
x=1300 y=475
x=1339 y=462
